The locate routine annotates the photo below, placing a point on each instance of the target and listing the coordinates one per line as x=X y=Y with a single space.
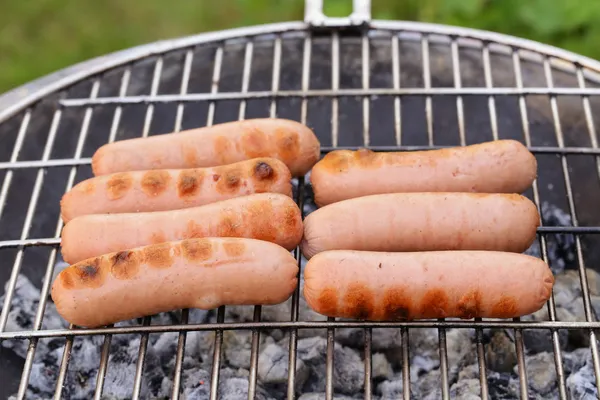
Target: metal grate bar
x=62 y=372
x=397 y=99
x=111 y=138
x=350 y=92
x=287 y=325
x=429 y=121
x=592 y=131
x=536 y=198
x=329 y=361
x=481 y=363
x=521 y=363
x=458 y=84
x=335 y=85
x=185 y=80
x=368 y=364
x=179 y=356
x=487 y=72
x=214 y=375
x=427 y=86
x=216 y=365
x=366 y=130
x=291 y=389
x=139 y=368
x=405 y=364
x=324 y=149
x=587 y=307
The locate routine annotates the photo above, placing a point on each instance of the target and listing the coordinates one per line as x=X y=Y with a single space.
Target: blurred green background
x=40 y=36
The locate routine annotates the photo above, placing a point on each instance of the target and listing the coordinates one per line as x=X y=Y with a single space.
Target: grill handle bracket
x=360 y=16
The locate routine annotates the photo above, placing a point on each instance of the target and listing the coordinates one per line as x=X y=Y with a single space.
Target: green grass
x=41 y=36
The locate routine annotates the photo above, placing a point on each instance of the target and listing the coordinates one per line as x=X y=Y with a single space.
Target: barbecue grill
x=385 y=85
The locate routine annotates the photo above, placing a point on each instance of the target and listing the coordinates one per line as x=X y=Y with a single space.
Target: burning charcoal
x=392 y=389
x=503 y=385
x=459 y=344
x=467 y=389
x=273 y=367
x=236 y=389
x=120 y=375
x=541 y=373
x=321 y=396
x=500 y=352
x=196 y=383
x=381 y=367
x=581 y=383
x=561 y=247
x=429 y=386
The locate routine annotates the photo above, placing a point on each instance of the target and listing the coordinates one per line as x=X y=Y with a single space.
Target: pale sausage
x=503 y=166
x=271 y=217
x=195 y=273
x=159 y=190
x=291 y=142
x=382 y=286
x=423 y=222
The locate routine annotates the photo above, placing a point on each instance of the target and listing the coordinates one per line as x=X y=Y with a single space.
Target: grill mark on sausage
x=327 y=301
x=234 y=248
x=189 y=183
x=193 y=230
x=469 y=305
x=190 y=157
x=157 y=237
x=506 y=307
x=196 y=249
x=155 y=182
x=125 y=264
x=87 y=274
x=288 y=144
x=397 y=304
x=222 y=147
x=434 y=304
x=337 y=161
x=260 y=219
x=230 y=226
x=359 y=301
x=264 y=172
x=158 y=255
x=229 y=182
x=253 y=142
x=118 y=185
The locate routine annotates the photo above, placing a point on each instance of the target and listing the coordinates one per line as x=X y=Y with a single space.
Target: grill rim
x=19 y=98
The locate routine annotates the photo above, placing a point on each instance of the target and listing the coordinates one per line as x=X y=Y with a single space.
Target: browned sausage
x=503 y=166
x=289 y=141
x=440 y=284
x=160 y=190
x=423 y=222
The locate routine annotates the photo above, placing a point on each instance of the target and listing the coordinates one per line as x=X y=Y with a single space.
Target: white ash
x=502 y=370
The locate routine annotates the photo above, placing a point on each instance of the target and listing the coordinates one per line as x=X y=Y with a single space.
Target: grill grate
x=334 y=81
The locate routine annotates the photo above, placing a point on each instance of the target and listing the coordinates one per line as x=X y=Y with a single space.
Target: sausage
x=382 y=286
x=503 y=166
x=159 y=190
x=423 y=222
x=269 y=216
x=195 y=273
x=289 y=141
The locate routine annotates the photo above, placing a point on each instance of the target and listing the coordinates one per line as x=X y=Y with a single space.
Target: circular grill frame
x=21 y=99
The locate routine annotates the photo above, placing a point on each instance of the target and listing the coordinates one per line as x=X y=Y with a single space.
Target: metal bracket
x=361 y=14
